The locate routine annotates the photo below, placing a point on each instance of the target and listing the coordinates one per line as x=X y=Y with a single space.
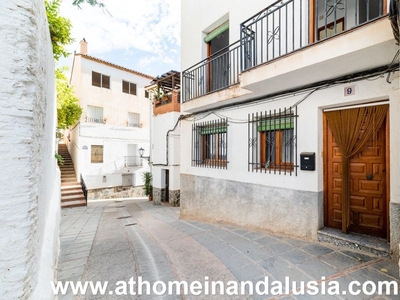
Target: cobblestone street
x=115 y=241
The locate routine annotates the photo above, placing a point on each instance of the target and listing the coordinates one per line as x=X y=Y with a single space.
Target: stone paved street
x=115 y=241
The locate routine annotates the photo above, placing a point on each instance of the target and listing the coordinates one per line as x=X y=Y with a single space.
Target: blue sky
x=143 y=35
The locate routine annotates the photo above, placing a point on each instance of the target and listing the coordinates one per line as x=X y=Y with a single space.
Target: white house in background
x=165 y=157
x=269 y=86
x=114 y=125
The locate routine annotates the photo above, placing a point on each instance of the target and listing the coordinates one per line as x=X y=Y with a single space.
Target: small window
x=100 y=80
x=96 y=154
x=105 y=81
x=128 y=87
x=133 y=119
x=272 y=142
x=94 y=114
x=96 y=79
x=146 y=94
x=210 y=144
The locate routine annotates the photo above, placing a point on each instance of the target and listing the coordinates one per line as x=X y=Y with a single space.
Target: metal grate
x=210 y=144
x=272 y=144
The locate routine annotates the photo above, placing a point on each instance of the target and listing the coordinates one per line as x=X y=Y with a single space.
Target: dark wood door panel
x=368 y=213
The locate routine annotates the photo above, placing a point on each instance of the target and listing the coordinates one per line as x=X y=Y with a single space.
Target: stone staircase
x=71 y=190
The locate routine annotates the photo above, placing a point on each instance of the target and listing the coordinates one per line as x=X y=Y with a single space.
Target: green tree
x=60 y=29
x=68 y=109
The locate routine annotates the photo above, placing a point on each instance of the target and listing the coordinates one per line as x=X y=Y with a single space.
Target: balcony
x=212 y=74
x=164 y=92
x=133 y=161
x=292 y=44
x=171 y=103
x=133 y=124
x=95 y=120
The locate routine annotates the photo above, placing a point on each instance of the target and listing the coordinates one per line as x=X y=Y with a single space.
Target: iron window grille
x=210 y=144
x=272 y=141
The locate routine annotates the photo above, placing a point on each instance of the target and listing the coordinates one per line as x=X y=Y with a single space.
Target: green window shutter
x=212 y=130
x=217 y=31
x=276 y=124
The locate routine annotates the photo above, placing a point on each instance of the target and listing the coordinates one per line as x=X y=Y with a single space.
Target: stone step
x=68 y=175
x=68 y=179
x=68 y=162
x=67 y=167
x=72 y=179
x=73 y=198
x=355 y=241
x=67 y=171
x=69 y=192
x=73 y=204
x=71 y=186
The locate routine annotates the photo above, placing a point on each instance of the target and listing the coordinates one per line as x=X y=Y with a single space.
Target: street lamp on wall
x=141 y=152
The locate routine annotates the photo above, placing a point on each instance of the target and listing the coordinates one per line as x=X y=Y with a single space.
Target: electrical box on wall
x=307 y=161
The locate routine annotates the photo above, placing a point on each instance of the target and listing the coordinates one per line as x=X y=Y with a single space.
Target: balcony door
x=132 y=158
x=330 y=17
x=218 y=71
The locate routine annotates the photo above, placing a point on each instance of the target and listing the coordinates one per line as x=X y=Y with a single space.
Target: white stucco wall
x=161 y=125
x=309 y=139
x=29 y=176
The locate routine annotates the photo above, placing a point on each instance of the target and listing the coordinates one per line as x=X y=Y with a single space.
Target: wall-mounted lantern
x=141 y=152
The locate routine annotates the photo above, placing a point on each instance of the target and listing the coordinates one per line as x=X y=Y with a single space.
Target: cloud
x=150 y=26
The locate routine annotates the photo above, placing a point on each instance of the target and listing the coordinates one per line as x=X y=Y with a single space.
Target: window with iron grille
x=209 y=144
x=133 y=119
x=272 y=141
x=94 y=114
x=96 y=154
x=100 y=80
x=128 y=87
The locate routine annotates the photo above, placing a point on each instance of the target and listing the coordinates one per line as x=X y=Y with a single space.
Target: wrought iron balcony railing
x=214 y=73
x=96 y=120
x=133 y=161
x=133 y=124
x=286 y=26
x=281 y=28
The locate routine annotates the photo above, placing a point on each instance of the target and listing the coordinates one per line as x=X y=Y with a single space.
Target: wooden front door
x=368 y=207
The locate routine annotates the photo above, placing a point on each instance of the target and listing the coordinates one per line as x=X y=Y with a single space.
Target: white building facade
x=264 y=85
x=115 y=124
x=165 y=141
